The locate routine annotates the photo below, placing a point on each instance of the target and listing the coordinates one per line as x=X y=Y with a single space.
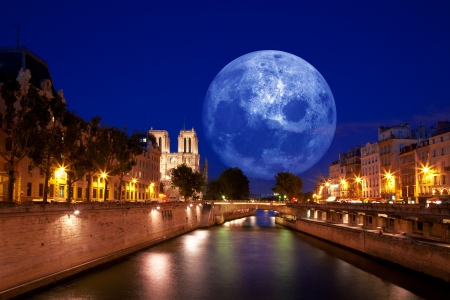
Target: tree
x=287 y=184
x=113 y=152
x=188 y=181
x=18 y=122
x=215 y=189
x=74 y=150
x=236 y=184
x=232 y=183
x=49 y=146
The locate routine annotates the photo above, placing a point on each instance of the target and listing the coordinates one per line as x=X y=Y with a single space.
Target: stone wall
x=417 y=255
x=40 y=244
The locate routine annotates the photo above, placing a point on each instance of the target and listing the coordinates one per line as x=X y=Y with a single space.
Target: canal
x=250 y=258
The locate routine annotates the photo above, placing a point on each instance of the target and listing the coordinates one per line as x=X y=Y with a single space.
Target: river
x=249 y=258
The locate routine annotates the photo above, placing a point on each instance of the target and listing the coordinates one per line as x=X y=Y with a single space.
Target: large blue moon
x=268 y=112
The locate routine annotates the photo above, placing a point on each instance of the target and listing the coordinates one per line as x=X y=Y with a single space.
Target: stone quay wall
x=41 y=244
x=414 y=254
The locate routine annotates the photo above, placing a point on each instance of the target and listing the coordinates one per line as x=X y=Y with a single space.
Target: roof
x=12 y=59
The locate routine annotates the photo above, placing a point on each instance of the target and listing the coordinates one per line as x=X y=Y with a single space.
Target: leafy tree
x=18 y=122
x=214 y=190
x=74 y=149
x=287 y=184
x=232 y=183
x=49 y=146
x=113 y=152
x=304 y=197
x=188 y=181
x=126 y=159
x=236 y=184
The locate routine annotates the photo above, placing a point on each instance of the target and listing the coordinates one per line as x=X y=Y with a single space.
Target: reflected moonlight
x=268 y=112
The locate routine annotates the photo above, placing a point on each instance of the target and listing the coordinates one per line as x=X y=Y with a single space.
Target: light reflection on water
x=250 y=258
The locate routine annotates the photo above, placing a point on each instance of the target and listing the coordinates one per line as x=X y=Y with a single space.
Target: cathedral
x=187 y=153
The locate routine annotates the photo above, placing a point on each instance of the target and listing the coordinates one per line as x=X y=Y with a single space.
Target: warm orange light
x=103 y=175
x=134 y=180
x=358 y=179
x=343 y=181
x=388 y=176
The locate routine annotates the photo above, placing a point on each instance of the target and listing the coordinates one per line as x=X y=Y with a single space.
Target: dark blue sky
x=149 y=63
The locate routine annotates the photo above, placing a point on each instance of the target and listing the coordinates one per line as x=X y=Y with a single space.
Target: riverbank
x=423 y=256
x=43 y=244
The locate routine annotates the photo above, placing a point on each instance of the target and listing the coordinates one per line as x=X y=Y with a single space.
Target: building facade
x=187 y=153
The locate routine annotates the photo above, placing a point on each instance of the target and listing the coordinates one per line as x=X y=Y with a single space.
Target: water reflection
x=250 y=258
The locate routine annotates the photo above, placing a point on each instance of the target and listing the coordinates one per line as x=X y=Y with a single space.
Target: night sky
x=143 y=64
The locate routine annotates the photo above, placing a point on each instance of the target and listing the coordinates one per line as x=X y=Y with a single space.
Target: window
x=28 y=188
x=41 y=189
x=442 y=151
x=52 y=188
x=79 y=191
x=94 y=193
x=434 y=153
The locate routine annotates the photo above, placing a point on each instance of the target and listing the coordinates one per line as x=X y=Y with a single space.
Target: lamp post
x=134 y=188
x=103 y=175
x=358 y=182
x=343 y=183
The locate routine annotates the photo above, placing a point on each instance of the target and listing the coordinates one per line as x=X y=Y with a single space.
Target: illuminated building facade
x=370 y=170
x=141 y=183
x=187 y=153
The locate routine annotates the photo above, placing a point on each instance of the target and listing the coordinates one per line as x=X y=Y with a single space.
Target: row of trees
x=43 y=129
x=233 y=184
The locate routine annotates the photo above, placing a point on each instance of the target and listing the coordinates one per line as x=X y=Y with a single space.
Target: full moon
x=268 y=112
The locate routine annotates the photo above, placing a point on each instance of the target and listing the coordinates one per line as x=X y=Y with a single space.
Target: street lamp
x=358 y=181
x=104 y=175
x=343 y=182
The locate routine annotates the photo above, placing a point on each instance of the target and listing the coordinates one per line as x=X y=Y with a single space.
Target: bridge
x=431 y=222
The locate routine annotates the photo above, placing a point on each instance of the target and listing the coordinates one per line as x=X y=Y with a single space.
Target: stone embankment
x=423 y=256
x=42 y=244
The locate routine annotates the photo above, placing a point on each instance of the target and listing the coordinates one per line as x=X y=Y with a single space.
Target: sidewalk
x=400 y=236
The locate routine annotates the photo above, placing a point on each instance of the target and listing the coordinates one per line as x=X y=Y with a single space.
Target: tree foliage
x=111 y=151
x=18 y=123
x=49 y=148
x=187 y=181
x=232 y=183
x=288 y=184
x=74 y=149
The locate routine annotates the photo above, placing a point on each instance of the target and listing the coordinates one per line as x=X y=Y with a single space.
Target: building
x=370 y=170
x=407 y=173
x=391 y=141
x=353 y=172
x=439 y=165
x=140 y=184
x=187 y=153
x=337 y=177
